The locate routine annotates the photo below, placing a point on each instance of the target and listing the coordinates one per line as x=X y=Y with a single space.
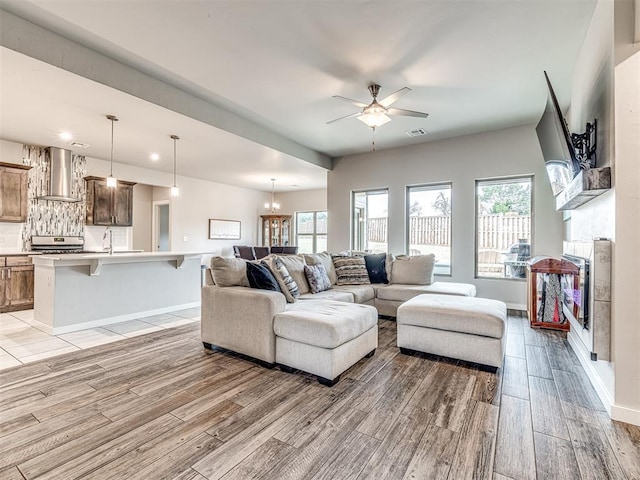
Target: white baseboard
x=626 y=415
x=110 y=320
x=517 y=306
x=606 y=397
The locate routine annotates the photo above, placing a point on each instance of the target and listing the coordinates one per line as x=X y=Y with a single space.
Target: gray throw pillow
x=317 y=277
x=350 y=270
x=288 y=285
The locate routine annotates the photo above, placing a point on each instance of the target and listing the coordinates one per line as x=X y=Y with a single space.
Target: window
x=369 y=223
x=503 y=227
x=311 y=232
x=429 y=223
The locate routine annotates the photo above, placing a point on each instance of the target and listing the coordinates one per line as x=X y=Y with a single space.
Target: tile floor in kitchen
x=21 y=343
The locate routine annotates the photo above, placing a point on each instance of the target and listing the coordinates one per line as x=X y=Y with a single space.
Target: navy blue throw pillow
x=261 y=277
x=376 y=267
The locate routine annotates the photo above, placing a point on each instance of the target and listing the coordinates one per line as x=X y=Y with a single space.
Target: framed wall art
x=224 y=229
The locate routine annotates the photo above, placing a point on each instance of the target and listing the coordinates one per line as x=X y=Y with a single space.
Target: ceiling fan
x=377 y=112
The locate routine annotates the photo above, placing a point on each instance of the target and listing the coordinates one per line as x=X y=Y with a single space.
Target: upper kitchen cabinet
x=109 y=206
x=13 y=192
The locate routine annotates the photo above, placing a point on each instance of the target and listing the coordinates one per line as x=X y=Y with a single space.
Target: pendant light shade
x=273 y=207
x=112 y=182
x=175 y=191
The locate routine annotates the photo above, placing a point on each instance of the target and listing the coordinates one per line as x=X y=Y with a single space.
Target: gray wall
x=461 y=160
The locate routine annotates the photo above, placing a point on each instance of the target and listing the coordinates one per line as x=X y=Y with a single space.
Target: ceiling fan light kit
x=377 y=112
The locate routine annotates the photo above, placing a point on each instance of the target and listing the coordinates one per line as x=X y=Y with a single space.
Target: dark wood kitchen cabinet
x=16 y=283
x=13 y=192
x=109 y=206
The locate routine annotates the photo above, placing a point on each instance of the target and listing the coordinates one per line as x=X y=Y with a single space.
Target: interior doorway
x=161 y=237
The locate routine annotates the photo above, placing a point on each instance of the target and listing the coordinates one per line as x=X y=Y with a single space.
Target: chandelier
x=273 y=207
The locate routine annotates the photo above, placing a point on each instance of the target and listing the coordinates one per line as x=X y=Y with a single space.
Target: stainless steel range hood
x=60 y=175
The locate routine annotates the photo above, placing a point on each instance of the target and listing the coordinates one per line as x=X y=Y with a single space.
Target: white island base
x=79 y=291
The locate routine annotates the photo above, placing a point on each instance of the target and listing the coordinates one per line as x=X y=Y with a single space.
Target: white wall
x=302 y=201
x=460 y=160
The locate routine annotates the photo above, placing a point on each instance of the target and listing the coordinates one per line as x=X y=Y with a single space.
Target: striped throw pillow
x=287 y=284
x=350 y=270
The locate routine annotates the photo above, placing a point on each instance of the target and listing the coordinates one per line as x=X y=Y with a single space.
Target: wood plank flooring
x=159 y=406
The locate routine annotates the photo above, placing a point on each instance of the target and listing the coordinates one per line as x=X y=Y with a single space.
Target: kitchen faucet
x=108 y=232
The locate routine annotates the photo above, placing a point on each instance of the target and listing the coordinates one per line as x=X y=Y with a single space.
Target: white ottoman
x=325 y=337
x=466 y=328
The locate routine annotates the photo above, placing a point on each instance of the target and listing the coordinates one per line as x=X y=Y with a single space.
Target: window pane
x=321 y=243
x=305 y=244
x=503 y=223
x=304 y=222
x=370 y=221
x=321 y=223
x=429 y=223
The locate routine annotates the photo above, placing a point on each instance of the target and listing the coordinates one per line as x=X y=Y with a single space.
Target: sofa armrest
x=241 y=319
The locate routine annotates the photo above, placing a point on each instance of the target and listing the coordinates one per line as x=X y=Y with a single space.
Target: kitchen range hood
x=60 y=175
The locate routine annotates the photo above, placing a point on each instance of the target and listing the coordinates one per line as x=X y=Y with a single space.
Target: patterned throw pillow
x=376 y=267
x=261 y=277
x=288 y=286
x=317 y=277
x=350 y=270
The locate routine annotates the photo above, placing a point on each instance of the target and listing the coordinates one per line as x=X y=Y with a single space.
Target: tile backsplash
x=50 y=217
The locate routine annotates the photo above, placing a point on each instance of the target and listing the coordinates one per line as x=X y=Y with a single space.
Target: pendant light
x=112 y=182
x=175 y=191
x=273 y=206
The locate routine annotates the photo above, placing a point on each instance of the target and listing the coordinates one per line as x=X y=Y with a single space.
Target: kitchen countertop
x=14 y=253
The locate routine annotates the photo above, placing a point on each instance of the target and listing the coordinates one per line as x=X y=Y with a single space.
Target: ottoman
x=466 y=328
x=325 y=337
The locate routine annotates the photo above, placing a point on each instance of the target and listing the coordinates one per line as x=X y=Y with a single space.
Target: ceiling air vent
x=79 y=144
x=418 y=132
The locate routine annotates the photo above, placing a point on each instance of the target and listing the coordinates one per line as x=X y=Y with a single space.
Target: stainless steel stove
x=57 y=245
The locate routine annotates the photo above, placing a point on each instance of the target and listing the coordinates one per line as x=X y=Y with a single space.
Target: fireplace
x=582 y=296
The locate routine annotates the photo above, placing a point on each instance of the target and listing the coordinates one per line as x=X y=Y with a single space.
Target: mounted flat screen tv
x=555 y=141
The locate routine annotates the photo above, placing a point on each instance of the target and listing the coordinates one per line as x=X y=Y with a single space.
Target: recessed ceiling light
x=65 y=135
x=155 y=157
x=79 y=144
x=295 y=186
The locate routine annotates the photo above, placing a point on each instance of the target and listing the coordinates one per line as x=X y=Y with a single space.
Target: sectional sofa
x=323 y=333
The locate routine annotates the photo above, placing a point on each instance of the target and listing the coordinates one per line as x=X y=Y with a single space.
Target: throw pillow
x=295 y=265
x=317 y=277
x=376 y=267
x=414 y=270
x=229 y=272
x=350 y=270
x=288 y=285
x=261 y=277
x=323 y=258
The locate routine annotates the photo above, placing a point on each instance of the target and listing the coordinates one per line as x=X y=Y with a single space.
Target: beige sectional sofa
x=262 y=325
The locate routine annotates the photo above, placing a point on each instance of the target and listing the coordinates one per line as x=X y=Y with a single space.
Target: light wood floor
x=160 y=406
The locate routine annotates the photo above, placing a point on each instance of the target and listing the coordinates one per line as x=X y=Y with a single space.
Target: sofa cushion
x=229 y=272
x=324 y=323
x=413 y=270
x=317 y=278
x=260 y=277
x=402 y=293
x=295 y=265
x=331 y=294
x=350 y=270
x=375 y=264
x=323 y=258
x=472 y=315
x=361 y=293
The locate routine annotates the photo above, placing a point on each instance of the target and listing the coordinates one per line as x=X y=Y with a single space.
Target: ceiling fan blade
x=351 y=100
x=406 y=113
x=346 y=116
x=391 y=99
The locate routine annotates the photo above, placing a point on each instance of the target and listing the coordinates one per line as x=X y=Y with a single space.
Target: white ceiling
x=472 y=65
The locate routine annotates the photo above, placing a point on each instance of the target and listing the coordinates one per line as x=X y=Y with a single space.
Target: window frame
x=315 y=233
x=352 y=216
x=495 y=181
x=407 y=219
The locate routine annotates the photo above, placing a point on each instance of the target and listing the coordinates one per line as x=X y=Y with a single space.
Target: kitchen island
x=79 y=291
